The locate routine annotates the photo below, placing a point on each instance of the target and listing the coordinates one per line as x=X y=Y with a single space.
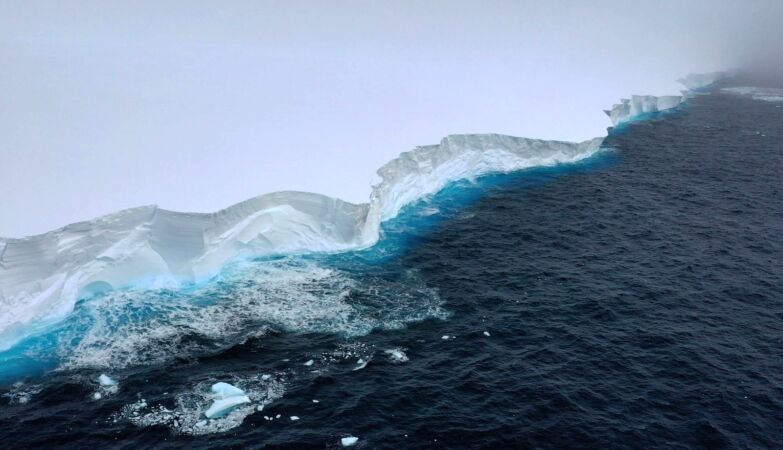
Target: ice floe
x=349 y=441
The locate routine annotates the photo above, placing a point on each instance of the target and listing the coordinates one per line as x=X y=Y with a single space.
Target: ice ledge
x=640 y=105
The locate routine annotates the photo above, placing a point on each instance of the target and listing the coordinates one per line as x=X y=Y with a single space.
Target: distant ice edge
x=637 y=106
x=42 y=277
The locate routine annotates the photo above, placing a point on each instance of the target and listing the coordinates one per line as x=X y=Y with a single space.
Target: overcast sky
x=197 y=105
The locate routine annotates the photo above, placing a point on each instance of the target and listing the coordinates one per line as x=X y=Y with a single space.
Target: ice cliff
x=42 y=277
x=638 y=105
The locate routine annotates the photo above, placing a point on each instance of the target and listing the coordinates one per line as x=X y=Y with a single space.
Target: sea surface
x=633 y=300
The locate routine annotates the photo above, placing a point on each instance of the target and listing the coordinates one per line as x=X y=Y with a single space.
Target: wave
x=43 y=276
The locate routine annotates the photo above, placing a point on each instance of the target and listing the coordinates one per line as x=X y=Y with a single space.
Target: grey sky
x=197 y=105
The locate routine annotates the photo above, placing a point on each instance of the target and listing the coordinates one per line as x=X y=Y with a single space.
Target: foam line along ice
x=42 y=277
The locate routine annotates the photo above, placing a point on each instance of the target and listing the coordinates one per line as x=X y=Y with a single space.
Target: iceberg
x=43 y=276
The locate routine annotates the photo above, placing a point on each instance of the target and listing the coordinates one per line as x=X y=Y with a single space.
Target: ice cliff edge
x=43 y=276
x=632 y=108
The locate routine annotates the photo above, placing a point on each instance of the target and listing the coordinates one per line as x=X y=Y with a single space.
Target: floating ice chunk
x=316 y=401
x=309 y=363
x=360 y=364
x=277 y=416
x=396 y=355
x=266 y=376
x=349 y=441
x=224 y=390
x=97 y=396
x=486 y=333
x=105 y=380
x=227 y=397
x=260 y=408
x=294 y=418
x=445 y=337
x=224 y=406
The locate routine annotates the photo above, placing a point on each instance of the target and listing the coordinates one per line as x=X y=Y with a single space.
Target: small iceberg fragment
x=397 y=355
x=360 y=364
x=224 y=406
x=224 y=390
x=486 y=333
x=105 y=380
x=309 y=363
x=227 y=397
x=349 y=441
x=97 y=396
x=294 y=418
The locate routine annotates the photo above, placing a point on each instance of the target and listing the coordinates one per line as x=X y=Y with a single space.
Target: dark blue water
x=632 y=301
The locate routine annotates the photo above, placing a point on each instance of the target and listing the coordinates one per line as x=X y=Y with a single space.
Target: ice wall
x=696 y=81
x=638 y=105
x=41 y=277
